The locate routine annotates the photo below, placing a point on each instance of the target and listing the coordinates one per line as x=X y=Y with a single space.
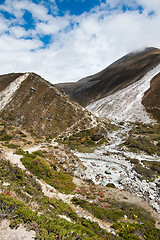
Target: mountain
x=117 y=91
x=29 y=101
x=96 y=179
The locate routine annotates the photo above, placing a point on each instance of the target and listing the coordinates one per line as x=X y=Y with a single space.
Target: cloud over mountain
x=62 y=46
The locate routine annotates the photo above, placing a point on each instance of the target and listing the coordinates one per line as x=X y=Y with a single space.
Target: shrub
x=110 y=215
x=144 y=172
x=111 y=185
x=153 y=165
x=143 y=144
x=135 y=231
x=43 y=170
x=5 y=137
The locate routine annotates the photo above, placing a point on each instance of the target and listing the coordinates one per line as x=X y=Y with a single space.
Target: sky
x=66 y=40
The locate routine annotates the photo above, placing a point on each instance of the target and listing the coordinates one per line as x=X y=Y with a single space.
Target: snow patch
x=125 y=104
x=7 y=94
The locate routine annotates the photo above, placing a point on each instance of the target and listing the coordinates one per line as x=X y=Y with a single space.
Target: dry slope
x=38 y=106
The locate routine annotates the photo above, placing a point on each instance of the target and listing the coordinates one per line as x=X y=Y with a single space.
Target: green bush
x=110 y=215
x=153 y=165
x=144 y=172
x=134 y=212
x=135 y=231
x=86 y=140
x=111 y=185
x=5 y=137
x=51 y=227
x=43 y=170
x=143 y=144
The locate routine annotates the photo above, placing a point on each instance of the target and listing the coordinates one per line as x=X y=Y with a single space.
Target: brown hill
x=118 y=75
x=41 y=108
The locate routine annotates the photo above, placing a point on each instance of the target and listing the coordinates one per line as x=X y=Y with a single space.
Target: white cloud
x=3 y=25
x=17 y=8
x=151 y=5
x=94 y=40
x=53 y=26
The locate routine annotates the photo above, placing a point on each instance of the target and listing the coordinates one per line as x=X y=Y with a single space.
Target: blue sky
x=65 y=40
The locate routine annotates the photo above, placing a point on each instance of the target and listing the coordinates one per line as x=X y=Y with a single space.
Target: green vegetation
x=143 y=144
x=44 y=169
x=18 y=181
x=50 y=228
x=45 y=218
x=110 y=126
x=147 y=129
x=11 y=145
x=85 y=140
x=144 y=137
x=133 y=161
x=149 y=172
x=134 y=212
x=144 y=173
x=133 y=231
x=110 y=215
x=153 y=165
x=5 y=137
x=111 y=185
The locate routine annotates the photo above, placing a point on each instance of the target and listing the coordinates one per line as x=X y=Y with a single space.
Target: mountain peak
x=35 y=104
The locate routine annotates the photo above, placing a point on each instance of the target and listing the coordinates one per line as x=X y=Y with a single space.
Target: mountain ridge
x=118 y=75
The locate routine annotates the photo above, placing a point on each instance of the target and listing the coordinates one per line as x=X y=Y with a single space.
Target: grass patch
x=144 y=172
x=133 y=231
x=12 y=146
x=110 y=215
x=85 y=140
x=134 y=212
x=142 y=144
x=44 y=169
x=153 y=165
x=5 y=137
x=50 y=228
x=18 y=181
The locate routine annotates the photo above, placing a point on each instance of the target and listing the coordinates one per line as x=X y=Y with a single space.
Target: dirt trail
x=6 y=233
x=117 y=194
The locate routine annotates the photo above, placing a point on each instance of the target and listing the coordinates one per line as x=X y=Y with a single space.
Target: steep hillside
x=117 y=76
x=36 y=105
x=151 y=98
x=127 y=105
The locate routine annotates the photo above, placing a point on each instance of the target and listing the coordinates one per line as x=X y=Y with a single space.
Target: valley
x=89 y=177
x=74 y=172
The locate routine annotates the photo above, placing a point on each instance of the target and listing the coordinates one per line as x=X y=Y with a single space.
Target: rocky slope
x=36 y=105
x=124 y=72
x=128 y=104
